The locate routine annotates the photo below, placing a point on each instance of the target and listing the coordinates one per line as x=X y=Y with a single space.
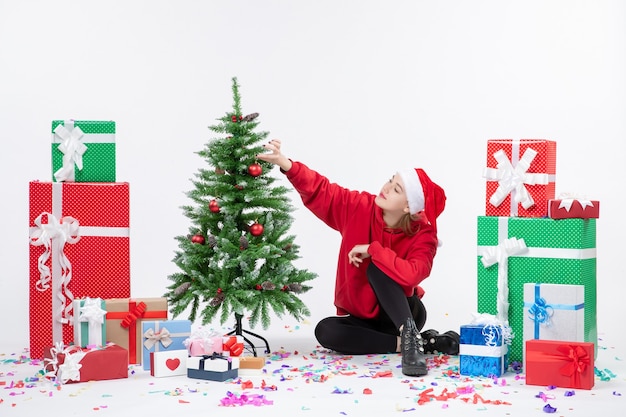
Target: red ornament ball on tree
x=256 y=229
x=213 y=206
x=198 y=239
x=255 y=170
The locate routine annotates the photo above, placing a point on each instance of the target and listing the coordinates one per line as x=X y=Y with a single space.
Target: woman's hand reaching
x=275 y=156
x=357 y=254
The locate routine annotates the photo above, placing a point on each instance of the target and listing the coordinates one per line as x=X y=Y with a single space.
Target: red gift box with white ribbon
x=69 y=364
x=573 y=207
x=79 y=247
x=520 y=177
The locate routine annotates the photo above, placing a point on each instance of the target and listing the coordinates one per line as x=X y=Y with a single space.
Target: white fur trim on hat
x=413 y=189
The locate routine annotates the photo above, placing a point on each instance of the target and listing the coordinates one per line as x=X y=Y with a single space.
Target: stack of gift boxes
x=536 y=271
x=81 y=314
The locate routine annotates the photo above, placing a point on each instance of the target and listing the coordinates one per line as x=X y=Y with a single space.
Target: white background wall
x=356 y=89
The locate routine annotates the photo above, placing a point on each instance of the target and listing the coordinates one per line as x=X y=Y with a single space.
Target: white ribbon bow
x=69 y=370
x=493 y=328
x=568 y=199
x=64 y=231
x=513 y=179
x=51 y=365
x=500 y=255
x=93 y=313
x=72 y=148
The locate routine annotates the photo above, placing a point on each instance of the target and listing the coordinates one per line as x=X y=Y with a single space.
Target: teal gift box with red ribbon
x=559 y=363
x=554 y=312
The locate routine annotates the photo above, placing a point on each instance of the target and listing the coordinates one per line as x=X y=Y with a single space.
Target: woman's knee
x=324 y=330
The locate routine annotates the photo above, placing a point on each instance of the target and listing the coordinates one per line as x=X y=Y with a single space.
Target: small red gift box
x=573 y=208
x=75 y=364
x=79 y=247
x=520 y=177
x=559 y=363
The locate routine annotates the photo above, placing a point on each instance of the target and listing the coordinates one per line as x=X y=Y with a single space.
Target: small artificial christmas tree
x=238 y=255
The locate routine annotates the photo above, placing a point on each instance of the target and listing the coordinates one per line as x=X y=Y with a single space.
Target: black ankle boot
x=435 y=342
x=413 y=359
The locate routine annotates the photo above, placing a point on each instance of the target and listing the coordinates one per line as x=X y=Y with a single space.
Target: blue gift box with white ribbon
x=482 y=350
x=554 y=312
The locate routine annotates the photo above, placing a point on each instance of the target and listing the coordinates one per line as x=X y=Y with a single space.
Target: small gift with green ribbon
x=83 y=151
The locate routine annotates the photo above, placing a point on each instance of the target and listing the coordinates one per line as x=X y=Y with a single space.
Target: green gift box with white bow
x=83 y=151
x=513 y=251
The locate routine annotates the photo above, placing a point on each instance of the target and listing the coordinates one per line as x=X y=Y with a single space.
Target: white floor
x=301 y=379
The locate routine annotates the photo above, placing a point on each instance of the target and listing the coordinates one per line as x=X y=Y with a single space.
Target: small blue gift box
x=482 y=351
x=215 y=367
x=165 y=335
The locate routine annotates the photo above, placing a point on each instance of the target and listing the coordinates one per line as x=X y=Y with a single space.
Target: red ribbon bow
x=233 y=346
x=577 y=360
x=133 y=315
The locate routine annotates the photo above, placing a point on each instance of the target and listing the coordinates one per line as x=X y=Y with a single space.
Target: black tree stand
x=239 y=331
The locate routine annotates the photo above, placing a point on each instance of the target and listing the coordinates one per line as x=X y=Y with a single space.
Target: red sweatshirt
x=406 y=259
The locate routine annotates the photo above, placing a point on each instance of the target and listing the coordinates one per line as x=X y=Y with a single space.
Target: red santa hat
x=423 y=194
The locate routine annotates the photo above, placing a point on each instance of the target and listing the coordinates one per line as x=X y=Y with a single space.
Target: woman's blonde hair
x=408 y=223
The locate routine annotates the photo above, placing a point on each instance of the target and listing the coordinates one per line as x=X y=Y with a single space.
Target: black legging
x=355 y=336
